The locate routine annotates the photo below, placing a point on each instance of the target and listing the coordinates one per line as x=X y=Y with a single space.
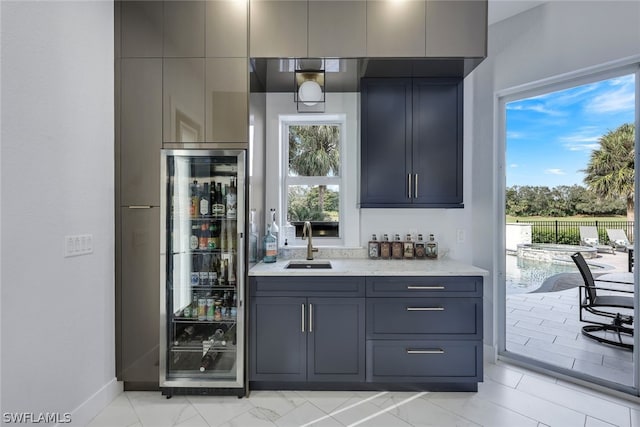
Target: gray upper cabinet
x=141 y=28
x=140 y=131
x=337 y=28
x=278 y=28
x=226 y=29
x=183 y=99
x=457 y=28
x=226 y=100
x=184 y=28
x=396 y=28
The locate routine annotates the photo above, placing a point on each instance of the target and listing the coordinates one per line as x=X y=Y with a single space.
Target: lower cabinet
x=374 y=332
x=306 y=339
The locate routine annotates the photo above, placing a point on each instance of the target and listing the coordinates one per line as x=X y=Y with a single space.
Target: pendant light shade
x=309 y=94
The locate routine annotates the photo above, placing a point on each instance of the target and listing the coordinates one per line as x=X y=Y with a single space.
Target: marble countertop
x=371 y=267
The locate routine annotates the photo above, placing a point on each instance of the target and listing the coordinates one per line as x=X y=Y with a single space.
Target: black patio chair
x=603 y=305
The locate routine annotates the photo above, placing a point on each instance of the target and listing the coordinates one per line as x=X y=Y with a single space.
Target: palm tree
x=314 y=151
x=610 y=172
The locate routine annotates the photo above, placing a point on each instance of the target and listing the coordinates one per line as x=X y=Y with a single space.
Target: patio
x=546 y=326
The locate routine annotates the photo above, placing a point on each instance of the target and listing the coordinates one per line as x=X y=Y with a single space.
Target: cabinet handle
x=425 y=308
x=139 y=207
x=302 y=317
x=310 y=317
x=424 y=287
x=415 y=189
x=428 y=351
x=409 y=184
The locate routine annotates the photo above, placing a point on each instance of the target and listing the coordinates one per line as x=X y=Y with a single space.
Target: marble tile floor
x=509 y=396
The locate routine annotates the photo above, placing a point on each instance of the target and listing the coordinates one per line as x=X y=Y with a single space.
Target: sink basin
x=311 y=265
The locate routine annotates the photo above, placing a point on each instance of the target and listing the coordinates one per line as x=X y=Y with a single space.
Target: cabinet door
x=278 y=339
x=184 y=28
x=226 y=29
x=437 y=142
x=395 y=28
x=183 y=100
x=457 y=28
x=386 y=142
x=336 y=339
x=141 y=28
x=337 y=28
x=227 y=116
x=278 y=28
x=140 y=131
x=139 y=296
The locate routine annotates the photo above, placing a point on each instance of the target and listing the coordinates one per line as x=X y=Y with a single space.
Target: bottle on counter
x=408 y=247
x=270 y=246
x=374 y=247
x=385 y=247
x=432 y=248
x=275 y=230
x=420 y=250
x=397 y=248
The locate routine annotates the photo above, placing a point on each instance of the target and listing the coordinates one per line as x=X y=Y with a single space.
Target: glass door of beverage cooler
x=202 y=325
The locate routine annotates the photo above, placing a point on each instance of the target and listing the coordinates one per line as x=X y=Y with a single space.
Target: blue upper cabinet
x=411 y=152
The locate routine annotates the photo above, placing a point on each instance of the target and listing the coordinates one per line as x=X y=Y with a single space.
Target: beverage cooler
x=202 y=321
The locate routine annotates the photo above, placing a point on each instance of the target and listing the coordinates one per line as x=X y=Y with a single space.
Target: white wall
x=57 y=179
x=556 y=38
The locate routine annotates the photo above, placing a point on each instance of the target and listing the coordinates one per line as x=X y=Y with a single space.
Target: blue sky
x=550 y=137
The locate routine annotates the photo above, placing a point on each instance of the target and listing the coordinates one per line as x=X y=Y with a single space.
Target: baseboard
x=490 y=354
x=83 y=414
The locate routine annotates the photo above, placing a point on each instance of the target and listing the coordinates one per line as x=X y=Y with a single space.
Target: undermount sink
x=312 y=265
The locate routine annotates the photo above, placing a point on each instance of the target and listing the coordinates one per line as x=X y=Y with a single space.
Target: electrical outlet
x=81 y=244
x=460 y=235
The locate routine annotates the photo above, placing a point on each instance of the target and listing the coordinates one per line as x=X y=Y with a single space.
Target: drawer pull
x=425 y=287
x=425 y=308
x=431 y=351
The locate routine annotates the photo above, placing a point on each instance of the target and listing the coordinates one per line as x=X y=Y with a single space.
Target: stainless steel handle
x=139 y=207
x=415 y=188
x=302 y=317
x=431 y=288
x=240 y=269
x=426 y=351
x=409 y=184
x=425 y=308
x=310 y=317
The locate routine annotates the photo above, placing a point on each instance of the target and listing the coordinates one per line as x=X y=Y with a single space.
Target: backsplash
x=323 y=253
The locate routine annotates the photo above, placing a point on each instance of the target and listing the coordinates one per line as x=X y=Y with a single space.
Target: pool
x=552 y=252
x=526 y=275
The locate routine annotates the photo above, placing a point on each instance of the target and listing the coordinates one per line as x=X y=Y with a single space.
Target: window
x=313 y=176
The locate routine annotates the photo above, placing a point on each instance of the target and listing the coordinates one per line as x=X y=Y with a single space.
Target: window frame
x=312 y=120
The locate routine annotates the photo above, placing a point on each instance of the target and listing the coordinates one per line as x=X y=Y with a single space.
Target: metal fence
x=568 y=232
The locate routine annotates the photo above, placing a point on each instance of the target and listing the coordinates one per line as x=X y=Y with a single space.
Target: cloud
x=536 y=108
x=515 y=135
x=618 y=96
x=513 y=165
x=584 y=139
x=554 y=172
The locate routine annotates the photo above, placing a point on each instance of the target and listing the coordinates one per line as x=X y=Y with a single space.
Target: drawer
x=400 y=318
x=424 y=361
x=420 y=286
x=327 y=286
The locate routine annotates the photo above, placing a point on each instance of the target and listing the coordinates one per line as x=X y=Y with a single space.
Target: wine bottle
x=207 y=360
x=203 y=240
x=204 y=200
x=185 y=336
x=195 y=199
x=232 y=200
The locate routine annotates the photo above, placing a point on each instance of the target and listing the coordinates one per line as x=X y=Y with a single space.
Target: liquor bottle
x=212 y=198
x=211 y=243
x=408 y=247
x=432 y=247
x=218 y=208
x=397 y=248
x=224 y=272
x=253 y=237
x=207 y=360
x=385 y=247
x=232 y=200
x=289 y=232
x=374 y=247
x=421 y=251
x=203 y=240
x=213 y=272
x=185 y=336
x=195 y=198
x=270 y=246
x=275 y=230
x=204 y=200
x=194 y=240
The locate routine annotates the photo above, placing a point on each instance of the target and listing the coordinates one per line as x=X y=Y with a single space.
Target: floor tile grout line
x=135 y=411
